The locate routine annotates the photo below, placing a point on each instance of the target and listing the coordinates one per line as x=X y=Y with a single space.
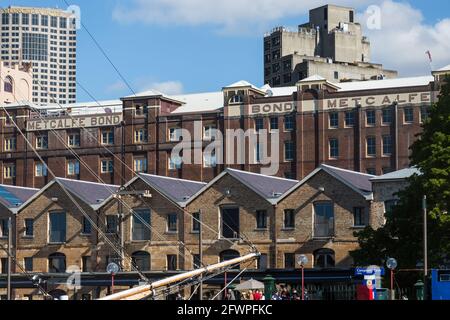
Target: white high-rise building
x=48 y=39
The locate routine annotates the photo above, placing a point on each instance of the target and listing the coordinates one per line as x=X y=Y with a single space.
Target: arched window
x=57 y=263
x=228 y=255
x=8 y=85
x=324 y=258
x=141 y=260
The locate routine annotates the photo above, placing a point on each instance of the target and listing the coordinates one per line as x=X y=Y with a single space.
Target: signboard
x=369 y=271
x=87 y=121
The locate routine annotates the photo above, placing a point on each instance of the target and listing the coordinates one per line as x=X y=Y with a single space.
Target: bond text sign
x=74 y=122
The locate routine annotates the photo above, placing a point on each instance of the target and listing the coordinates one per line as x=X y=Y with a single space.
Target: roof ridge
x=262 y=175
x=171 y=178
x=83 y=181
x=348 y=170
x=18 y=187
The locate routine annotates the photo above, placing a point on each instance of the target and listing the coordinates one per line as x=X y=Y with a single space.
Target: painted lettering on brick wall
x=382 y=100
x=280 y=107
x=74 y=122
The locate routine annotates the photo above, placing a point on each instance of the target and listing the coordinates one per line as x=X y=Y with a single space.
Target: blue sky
x=203 y=45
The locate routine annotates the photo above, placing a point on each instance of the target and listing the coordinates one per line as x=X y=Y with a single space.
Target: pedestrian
x=257 y=295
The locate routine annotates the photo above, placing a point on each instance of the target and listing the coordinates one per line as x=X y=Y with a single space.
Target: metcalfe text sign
x=88 y=121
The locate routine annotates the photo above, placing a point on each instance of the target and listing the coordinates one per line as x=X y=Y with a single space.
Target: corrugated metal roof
x=397 y=175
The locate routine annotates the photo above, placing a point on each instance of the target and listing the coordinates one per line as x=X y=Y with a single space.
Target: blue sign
x=369 y=271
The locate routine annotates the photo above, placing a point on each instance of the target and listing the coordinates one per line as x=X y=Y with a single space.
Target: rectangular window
x=25 y=18
x=57 y=227
x=387 y=145
x=359 y=218
x=87 y=227
x=349 y=118
x=86 y=264
x=140 y=229
x=288 y=123
x=371 y=147
x=54 y=22
x=323 y=219
x=334 y=120
x=10 y=144
x=208 y=132
x=140 y=136
x=289 y=151
x=262 y=262
x=42 y=142
x=209 y=160
x=73 y=139
x=112 y=224
x=261 y=219
x=370 y=117
x=174 y=134
x=28 y=264
x=73 y=168
x=40 y=170
x=4 y=230
x=172 y=264
x=289 y=219
x=9 y=171
x=107 y=166
x=35 y=19
x=140 y=165
x=424 y=113
x=4 y=265
x=408 y=115
x=387 y=116
x=289 y=261
x=273 y=123
x=107 y=137
x=195 y=222
x=334 y=148
x=196 y=263
x=259 y=124
x=172 y=225
x=29 y=228
x=175 y=163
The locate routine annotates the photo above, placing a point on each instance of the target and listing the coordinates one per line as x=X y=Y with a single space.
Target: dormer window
x=8 y=85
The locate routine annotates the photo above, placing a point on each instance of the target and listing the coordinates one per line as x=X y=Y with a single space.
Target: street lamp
x=302 y=261
x=112 y=268
x=391 y=263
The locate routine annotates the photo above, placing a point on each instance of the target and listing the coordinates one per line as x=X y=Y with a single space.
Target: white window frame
x=72 y=140
x=174 y=134
x=42 y=142
x=9 y=171
x=140 y=165
x=207 y=135
x=108 y=133
x=10 y=144
x=175 y=165
x=40 y=170
x=76 y=168
x=109 y=166
x=140 y=135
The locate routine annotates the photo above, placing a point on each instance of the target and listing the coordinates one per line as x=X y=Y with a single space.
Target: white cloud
x=229 y=16
x=167 y=87
x=404 y=37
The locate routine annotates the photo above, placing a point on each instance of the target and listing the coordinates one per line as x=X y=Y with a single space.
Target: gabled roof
x=359 y=182
x=199 y=102
x=178 y=191
x=384 y=84
x=313 y=78
x=93 y=194
x=243 y=84
x=268 y=187
x=13 y=197
x=397 y=175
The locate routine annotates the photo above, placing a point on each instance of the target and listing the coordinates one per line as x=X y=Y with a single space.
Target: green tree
x=402 y=235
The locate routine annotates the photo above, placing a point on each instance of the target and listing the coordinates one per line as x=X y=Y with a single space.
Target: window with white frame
x=209 y=160
x=42 y=142
x=174 y=134
x=73 y=139
x=107 y=166
x=175 y=162
x=140 y=135
x=140 y=165
x=208 y=132
x=107 y=137
x=40 y=170
x=9 y=171
x=73 y=168
x=10 y=144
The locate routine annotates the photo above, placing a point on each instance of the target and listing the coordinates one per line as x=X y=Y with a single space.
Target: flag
x=429 y=56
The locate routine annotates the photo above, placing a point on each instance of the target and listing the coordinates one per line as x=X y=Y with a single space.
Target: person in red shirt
x=257 y=295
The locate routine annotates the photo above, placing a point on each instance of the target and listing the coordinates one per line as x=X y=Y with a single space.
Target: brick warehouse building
x=364 y=126
x=282 y=218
